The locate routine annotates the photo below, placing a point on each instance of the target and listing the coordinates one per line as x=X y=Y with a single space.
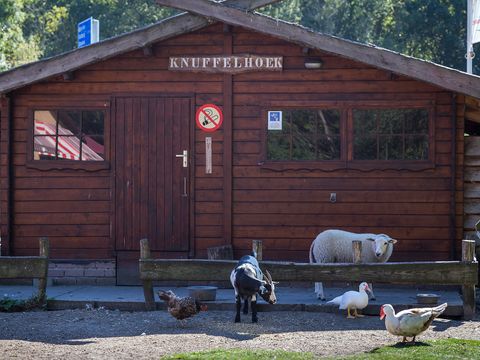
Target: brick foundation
x=82 y=272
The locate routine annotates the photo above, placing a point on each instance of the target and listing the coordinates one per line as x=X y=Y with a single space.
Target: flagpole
x=469 y=54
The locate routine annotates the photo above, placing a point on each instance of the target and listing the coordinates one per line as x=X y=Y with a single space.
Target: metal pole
x=469 y=54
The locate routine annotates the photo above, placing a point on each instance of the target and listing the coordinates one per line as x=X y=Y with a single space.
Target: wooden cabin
x=111 y=143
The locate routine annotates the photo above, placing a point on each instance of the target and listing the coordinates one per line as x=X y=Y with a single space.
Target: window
x=390 y=134
x=75 y=135
x=306 y=135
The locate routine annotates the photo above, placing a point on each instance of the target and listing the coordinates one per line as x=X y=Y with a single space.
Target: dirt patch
x=104 y=334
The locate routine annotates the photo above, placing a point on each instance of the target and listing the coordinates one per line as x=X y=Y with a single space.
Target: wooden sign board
x=226 y=64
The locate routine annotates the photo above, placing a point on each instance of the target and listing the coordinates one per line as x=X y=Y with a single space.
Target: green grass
x=447 y=349
x=243 y=354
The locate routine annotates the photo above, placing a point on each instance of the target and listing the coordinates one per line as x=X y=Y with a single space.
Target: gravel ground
x=104 y=334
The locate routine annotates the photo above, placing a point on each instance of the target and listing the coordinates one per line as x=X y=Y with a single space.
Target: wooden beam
x=22 y=267
x=249 y=4
x=472 y=115
x=147 y=283
x=44 y=252
x=68 y=76
x=75 y=59
x=429 y=72
x=421 y=273
x=472 y=102
x=148 y=50
x=228 y=144
x=468 y=290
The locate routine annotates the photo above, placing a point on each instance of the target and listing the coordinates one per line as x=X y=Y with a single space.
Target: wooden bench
x=464 y=273
x=32 y=267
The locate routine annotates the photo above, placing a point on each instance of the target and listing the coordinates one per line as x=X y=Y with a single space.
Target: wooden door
x=152 y=182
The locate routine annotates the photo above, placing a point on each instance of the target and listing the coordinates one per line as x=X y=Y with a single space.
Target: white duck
x=411 y=322
x=356 y=300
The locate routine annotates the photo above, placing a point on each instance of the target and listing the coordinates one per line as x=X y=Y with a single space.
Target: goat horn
x=268 y=276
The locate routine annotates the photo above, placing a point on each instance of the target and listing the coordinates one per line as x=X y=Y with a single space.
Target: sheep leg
x=319 y=291
x=371 y=296
x=239 y=305
x=253 y=306
x=245 y=307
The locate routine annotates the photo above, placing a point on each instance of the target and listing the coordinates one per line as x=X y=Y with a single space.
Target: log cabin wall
x=285 y=209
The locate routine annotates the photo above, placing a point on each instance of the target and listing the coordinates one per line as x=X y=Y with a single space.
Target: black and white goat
x=248 y=280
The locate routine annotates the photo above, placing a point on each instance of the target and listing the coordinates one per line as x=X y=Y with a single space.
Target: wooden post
x=257 y=248
x=468 y=290
x=147 y=284
x=357 y=251
x=44 y=251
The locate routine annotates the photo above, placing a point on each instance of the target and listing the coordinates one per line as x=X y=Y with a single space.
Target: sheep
x=331 y=246
x=247 y=281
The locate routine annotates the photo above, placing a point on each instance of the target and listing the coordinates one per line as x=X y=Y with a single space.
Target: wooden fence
x=17 y=267
x=464 y=273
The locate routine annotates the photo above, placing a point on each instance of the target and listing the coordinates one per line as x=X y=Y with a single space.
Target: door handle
x=184 y=187
x=184 y=155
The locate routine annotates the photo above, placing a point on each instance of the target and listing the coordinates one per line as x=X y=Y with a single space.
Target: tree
x=428 y=29
x=15 y=48
x=59 y=18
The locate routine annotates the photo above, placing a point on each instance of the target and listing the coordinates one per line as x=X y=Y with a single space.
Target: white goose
x=411 y=322
x=356 y=300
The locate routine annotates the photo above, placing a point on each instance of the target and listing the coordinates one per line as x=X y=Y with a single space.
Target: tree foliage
x=428 y=29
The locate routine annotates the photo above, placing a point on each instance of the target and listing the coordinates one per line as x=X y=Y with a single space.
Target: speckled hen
x=181 y=308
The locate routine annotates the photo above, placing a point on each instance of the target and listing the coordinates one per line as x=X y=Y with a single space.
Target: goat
x=248 y=280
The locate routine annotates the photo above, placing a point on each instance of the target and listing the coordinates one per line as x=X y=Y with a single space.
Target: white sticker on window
x=275 y=120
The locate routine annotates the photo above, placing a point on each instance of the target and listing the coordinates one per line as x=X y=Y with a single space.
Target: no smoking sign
x=209 y=117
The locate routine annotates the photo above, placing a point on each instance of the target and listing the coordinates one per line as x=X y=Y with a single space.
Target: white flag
x=476 y=22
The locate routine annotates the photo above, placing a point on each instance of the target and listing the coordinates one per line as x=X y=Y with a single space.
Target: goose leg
x=404 y=339
x=413 y=340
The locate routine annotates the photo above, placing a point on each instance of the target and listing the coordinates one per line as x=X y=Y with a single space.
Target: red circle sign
x=209 y=117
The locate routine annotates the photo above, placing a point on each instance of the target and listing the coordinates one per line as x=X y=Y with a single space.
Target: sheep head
x=383 y=245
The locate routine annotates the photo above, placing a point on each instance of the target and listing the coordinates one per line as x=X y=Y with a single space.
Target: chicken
x=181 y=308
x=411 y=322
x=356 y=300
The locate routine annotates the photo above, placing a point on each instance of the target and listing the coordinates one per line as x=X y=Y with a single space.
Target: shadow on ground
x=78 y=327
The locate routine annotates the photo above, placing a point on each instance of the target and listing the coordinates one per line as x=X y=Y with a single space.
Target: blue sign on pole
x=88 y=32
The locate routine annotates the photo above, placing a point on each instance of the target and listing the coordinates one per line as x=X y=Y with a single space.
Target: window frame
x=346 y=160
x=68 y=164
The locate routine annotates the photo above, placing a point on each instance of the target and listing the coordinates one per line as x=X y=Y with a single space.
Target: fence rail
x=15 y=267
x=464 y=273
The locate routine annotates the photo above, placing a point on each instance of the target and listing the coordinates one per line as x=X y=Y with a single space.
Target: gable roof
x=69 y=61
x=233 y=12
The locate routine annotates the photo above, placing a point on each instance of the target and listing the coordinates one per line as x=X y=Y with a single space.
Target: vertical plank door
x=151 y=182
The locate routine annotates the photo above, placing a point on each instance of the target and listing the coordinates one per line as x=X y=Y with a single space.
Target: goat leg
x=254 y=311
x=239 y=305
x=245 y=306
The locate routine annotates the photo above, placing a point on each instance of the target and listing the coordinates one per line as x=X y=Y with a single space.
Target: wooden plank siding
x=284 y=209
x=288 y=209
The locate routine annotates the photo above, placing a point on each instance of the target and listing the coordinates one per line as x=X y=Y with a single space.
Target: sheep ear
x=392 y=241
x=370 y=239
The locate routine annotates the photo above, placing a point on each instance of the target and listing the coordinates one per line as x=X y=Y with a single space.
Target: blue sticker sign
x=275 y=120
x=88 y=32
